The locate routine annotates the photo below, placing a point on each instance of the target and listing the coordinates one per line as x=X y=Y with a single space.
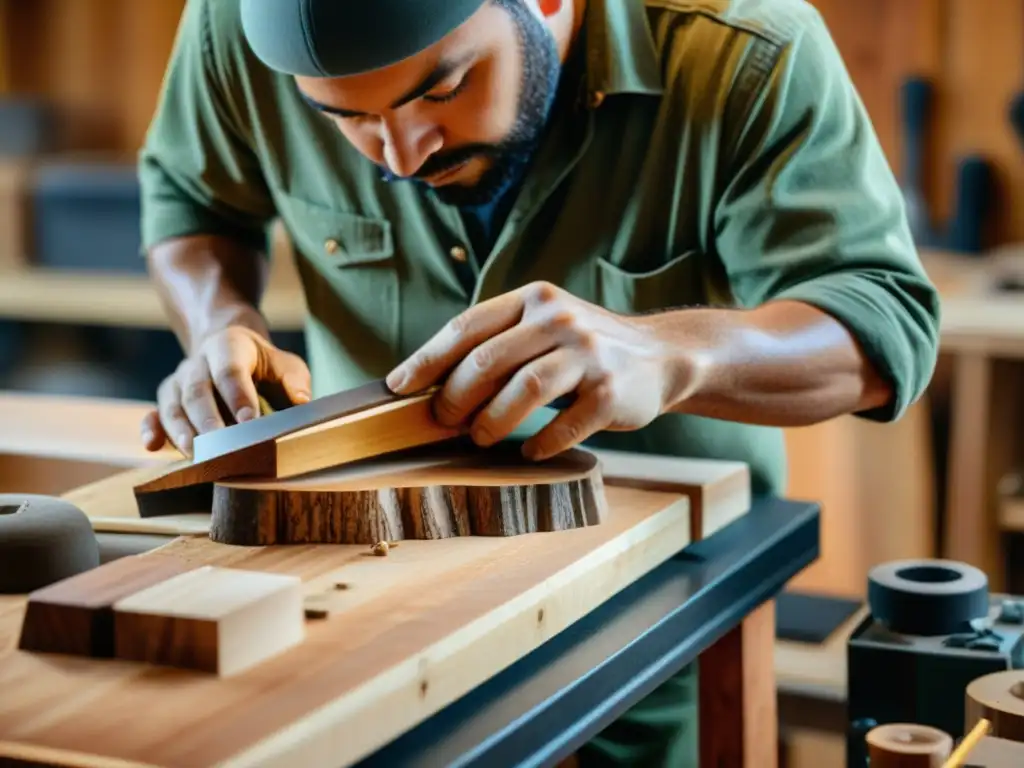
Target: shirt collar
x=621 y=55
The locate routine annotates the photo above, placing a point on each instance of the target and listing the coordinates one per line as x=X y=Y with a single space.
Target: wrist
x=689 y=346
x=220 y=318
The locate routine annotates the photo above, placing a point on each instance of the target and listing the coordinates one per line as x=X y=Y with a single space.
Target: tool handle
x=1017 y=117
x=915 y=104
x=974 y=186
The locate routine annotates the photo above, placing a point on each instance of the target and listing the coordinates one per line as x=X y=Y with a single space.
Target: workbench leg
x=738 y=711
x=983 y=420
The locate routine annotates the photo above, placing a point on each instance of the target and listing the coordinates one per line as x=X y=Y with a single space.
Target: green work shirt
x=717 y=154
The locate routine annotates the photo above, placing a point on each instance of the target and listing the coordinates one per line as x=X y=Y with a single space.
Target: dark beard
x=511 y=156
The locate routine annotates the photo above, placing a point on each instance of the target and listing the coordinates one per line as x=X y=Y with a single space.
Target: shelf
x=94 y=298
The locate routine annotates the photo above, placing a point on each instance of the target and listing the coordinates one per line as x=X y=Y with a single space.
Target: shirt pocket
x=677 y=282
x=349 y=268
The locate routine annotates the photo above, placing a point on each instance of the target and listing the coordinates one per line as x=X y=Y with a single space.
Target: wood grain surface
x=211 y=619
x=428 y=493
x=390 y=652
x=75 y=616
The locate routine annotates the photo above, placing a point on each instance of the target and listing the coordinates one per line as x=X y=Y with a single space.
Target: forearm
x=207 y=283
x=785 y=363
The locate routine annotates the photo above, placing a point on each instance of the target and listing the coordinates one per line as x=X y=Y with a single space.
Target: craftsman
x=675 y=212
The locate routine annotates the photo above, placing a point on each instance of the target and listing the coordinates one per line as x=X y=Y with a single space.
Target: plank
x=187 y=524
x=72 y=428
x=392 y=653
x=719 y=491
x=119 y=301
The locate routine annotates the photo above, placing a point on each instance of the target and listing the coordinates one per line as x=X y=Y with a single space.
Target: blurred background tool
x=973 y=191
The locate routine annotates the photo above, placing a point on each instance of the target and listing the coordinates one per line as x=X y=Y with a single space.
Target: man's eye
x=445 y=96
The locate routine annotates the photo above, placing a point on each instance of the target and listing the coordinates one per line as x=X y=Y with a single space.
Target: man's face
x=463 y=116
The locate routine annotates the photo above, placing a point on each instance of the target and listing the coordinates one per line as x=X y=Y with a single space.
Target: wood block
x=212 y=619
x=432 y=493
x=396 y=426
x=719 y=491
x=75 y=616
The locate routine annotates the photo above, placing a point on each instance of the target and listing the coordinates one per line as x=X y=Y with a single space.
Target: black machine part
x=927 y=597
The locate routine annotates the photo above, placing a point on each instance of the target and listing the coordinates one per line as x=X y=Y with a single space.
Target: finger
x=152 y=431
x=173 y=419
x=293 y=374
x=230 y=362
x=591 y=412
x=428 y=365
x=485 y=369
x=197 y=397
x=533 y=386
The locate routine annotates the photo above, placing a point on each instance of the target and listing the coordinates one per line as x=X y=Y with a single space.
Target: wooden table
x=713 y=601
x=983 y=334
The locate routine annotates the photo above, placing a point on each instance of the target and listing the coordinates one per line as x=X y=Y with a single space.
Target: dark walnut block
x=434 y=492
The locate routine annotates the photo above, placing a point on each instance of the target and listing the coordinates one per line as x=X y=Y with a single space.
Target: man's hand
x=229 y=363
x=520 y=351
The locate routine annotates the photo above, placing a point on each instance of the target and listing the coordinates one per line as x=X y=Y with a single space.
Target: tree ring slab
x=43 y=540
x=432 y=492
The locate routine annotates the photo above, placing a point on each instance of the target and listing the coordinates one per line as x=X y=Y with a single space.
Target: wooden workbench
x=404 y=653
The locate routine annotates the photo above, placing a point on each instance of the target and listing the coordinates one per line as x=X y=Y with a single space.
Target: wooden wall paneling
x=148 y=30
x=68 y=52
x=5 y=47
x=101 y=62
x=882 y=43
x=984 y=68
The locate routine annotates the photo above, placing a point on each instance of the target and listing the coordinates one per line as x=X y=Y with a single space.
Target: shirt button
x=331 y=246
x=458 y=253
x=596 y=99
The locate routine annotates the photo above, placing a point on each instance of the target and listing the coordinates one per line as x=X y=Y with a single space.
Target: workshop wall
x=99 y=63
x=973 y=53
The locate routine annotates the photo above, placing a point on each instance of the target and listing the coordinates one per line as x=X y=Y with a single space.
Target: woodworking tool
x=236 y=437
x=1017 y=117
x=933 y=628
x=974 y=180
x=276 y=423
x=916 y=101
x=1017 y=105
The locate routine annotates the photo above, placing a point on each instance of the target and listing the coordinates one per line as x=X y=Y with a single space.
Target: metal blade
x=237 y=437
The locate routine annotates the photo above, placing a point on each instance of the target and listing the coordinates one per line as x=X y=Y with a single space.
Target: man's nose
x=408 y=144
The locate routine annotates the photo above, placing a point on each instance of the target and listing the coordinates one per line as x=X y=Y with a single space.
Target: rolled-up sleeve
x=197 y=170
x=812 y=212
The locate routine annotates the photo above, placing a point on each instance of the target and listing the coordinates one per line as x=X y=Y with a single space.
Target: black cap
x=334 y=38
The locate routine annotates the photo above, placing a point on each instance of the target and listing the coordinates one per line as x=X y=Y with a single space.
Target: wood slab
x=219 y=620
x=409 y=633
x=718 y=493
x=433 y=492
